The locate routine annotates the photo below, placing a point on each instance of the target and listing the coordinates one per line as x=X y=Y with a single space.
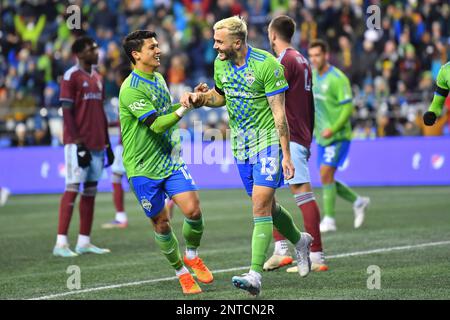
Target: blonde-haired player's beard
x=229 y=54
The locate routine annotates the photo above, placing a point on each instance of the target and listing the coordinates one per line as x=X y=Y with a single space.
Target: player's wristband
x=181 y=111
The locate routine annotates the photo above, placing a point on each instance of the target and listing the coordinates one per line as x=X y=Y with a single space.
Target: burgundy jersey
x=299 y=97
x=85 y=92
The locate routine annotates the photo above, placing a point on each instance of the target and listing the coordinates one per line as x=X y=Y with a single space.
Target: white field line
x=336 y=256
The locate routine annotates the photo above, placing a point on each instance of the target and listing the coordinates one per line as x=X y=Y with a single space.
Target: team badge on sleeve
x=277 y=73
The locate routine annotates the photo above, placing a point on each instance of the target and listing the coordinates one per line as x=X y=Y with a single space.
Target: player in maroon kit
x=300 y=116
x=85 y=138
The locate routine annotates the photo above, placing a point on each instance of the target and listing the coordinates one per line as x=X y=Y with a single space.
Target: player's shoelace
x=198 y=264
x=187 y=281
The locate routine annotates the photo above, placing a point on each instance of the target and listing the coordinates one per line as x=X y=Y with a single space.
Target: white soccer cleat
x=318 y=263
x=4 y=195
x=250 y=282
x=277 y=261
x=359 y=209
x=302 y=249
x=328 y=224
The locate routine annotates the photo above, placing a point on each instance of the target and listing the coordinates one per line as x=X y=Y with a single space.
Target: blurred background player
x=441 y=93
x=300 y=117
x=85 y=140
x=333 y=132
x=251 y=83
x=118 y=171
x=152 y=159
x=4 y=195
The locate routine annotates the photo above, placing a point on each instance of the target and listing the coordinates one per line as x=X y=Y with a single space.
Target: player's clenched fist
x=201 y=87
x=189 y=99
x=288 y=168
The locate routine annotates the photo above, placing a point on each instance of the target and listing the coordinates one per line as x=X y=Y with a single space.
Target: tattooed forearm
x=276 y=103
x=212 y=99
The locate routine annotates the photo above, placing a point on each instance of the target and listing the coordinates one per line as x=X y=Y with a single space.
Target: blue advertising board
x=380 y=162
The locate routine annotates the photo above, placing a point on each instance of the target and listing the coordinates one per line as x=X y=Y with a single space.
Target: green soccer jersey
x=246 y=89
x=443 y=86
x=147 y=153
x=331 y=91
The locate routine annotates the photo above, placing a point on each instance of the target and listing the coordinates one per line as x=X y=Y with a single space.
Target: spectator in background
x=21 y=139
x=411 y=45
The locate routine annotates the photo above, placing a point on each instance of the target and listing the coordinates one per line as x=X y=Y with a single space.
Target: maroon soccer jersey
x=299 y=98
x=85 y=92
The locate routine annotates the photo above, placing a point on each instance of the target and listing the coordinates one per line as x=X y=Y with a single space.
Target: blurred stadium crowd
x=392 y=69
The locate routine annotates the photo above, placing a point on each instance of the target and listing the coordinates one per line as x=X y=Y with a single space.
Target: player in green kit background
x=251 y=83
x=333 y=132
x=441 y=93
x=151 y=156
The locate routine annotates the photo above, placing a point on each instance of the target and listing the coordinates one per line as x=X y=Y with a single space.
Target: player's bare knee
x=193 y=212
x=326 y=177
x=262 y=207
x=161 y=224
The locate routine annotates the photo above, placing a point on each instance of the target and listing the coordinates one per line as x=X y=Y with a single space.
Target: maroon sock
x=86 y=214
x=118 y=197
x=65 y=211
x=277 y=235
x=311 y=220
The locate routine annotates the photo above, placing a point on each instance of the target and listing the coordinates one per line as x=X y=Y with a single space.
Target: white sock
x=83 y=241
x=181 y=271
x=61 y=240
x=317 y=257
x=327 y=219
x=281 y=248
x=121 y=217
x=191 y=253
x=358 y=202
x=255 y=274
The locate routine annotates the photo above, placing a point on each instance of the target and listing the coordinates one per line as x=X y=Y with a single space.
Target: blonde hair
x=236 y=27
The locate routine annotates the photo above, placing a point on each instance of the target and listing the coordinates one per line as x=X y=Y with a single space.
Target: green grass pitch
x=410 y=226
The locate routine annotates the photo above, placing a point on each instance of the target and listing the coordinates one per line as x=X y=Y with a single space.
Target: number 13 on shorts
x=269 y=166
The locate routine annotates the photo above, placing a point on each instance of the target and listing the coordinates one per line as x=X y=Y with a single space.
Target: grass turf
x=397 y=217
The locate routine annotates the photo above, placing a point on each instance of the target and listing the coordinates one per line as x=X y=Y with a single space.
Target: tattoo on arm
x=276 y=103
x=212 y=99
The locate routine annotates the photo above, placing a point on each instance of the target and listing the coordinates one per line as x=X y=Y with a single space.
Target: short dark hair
x=81 y=43
x=320 y=43
x=134 y=42
x=284 y=26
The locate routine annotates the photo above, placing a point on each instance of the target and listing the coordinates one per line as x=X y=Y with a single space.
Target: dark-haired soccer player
x=300 y=116
x=333 y=133
x=152 y=160
x=85 y=139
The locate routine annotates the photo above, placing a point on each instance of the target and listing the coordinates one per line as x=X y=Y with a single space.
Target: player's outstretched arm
x=160 y=124
x=441 y=93
x=276 y=103
x=435 y=109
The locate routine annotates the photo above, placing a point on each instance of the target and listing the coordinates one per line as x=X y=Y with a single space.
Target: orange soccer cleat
x=201 y=271
x=188 y=284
